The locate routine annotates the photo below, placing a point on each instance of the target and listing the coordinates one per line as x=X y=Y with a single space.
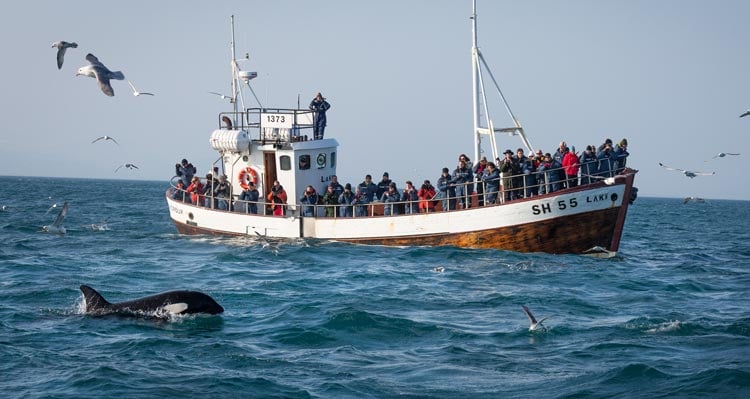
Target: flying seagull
x=231 y=100
x=97 y=70
x=533 y=322
x=688 y=173
x=723 y=154
x=746 y=113
x=105 y=138
x=51 y=208
x=61 y=47
x=138 y=93
x=57 y=227
x=127 y=165
x=607 y=180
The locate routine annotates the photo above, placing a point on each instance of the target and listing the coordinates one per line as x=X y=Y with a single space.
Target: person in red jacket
x=426 y=194
x=196 y=191
x=277 y=197
x=570 y=165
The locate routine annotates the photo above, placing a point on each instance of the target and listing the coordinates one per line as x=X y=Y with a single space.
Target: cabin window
x=304 y=162
x=321 y=160
x=333 y=160
x=286 y=162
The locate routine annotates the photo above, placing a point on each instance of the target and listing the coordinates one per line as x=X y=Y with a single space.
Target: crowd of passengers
x=513 y=177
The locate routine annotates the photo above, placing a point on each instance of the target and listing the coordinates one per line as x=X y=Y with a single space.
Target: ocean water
x=668 y=317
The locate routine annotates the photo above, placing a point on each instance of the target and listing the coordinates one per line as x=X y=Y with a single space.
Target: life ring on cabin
x=246 y=176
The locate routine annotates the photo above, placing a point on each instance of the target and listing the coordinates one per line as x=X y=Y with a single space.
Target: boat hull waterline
x=583 y=220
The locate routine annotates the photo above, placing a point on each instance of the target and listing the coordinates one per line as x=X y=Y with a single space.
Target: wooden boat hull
x=583 y=220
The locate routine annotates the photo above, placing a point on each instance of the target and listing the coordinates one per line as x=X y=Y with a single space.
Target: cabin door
x=269 y=165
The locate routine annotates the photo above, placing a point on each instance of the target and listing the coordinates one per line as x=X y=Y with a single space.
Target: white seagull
x=723 y=154
x=105 y=138
x=607 y=180
x=688 y=173
x=97 y=70
x=746 y=113
x=138 y=93
x=61 y=47
x=533 y=322
x=57 y=226
x=127 y=165
x=223 y=97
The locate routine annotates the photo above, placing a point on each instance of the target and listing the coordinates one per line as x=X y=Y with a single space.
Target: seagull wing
x=135 y=92
x=60 y=56
x=97 y=139
x=103 y=81
x=669 y=168
x=113 y=139
x=61 y=216
x=529 y=315
x=118 y=168
x=133 y=166
x=746 y=113
x=93 y=60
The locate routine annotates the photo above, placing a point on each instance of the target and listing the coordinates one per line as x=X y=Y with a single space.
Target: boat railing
x=477 y=193
x=271 y=125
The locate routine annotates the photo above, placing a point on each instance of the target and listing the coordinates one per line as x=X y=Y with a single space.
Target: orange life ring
x=246 y=176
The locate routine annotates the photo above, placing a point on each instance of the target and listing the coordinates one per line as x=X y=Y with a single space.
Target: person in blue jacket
x=309 y=200
x=389 y=198
x=346 y=199
x=589 y=164
x=606 y=161
x=463 y=178
x=319 y=106
x=368 y=188
x=249 y=197
x=491 y=182
x=360 y=202
x=620 y=155
x=447 y=188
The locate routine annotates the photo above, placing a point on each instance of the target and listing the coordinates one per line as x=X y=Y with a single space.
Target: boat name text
x=175 y=209
x=547 y=207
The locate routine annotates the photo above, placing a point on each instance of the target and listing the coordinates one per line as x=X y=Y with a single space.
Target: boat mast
x=479 y=94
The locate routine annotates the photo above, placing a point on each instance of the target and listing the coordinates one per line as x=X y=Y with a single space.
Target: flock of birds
x=103 y=75
x=692 y=173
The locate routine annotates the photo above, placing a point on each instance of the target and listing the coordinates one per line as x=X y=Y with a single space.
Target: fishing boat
x=276 y=145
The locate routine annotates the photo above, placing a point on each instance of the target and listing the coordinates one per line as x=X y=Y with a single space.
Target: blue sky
x=670 y=76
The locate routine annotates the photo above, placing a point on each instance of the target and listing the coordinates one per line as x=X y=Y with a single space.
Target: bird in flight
x=61 y=47
x=105 y=138
x=533 y=322
x=223 y=97
x=689 y=173
x=746 y=113
x=127 y=165
x=101 y=73
x=57 y=227
x=723 y=154
x=138 y=93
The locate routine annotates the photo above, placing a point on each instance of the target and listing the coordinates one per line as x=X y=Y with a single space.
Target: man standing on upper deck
x=319 y=106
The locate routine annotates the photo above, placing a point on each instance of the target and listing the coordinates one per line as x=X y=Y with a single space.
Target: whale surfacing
x=159 y=305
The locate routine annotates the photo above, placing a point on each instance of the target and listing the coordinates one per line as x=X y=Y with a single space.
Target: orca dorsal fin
x=176 y=308
x=94 y=300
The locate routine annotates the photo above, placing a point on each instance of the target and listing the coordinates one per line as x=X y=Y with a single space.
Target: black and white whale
x=159 y=305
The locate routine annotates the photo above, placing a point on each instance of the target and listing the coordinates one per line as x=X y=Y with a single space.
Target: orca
x=159 y=305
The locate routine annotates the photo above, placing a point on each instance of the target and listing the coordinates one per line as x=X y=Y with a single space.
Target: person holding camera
x=309 y=200
x=426 y=194
x=319 y=106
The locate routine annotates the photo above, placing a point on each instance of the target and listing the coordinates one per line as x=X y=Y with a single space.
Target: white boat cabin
x=264 y=145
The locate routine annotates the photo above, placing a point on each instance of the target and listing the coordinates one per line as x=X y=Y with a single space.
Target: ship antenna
x=477 y=61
